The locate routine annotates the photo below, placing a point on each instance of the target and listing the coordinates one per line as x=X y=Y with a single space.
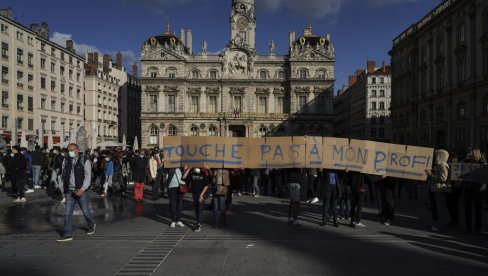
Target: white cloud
x=81 y=49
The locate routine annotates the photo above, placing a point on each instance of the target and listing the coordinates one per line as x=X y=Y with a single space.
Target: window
x=78 y=110
x=53 y=85
x=153 y=72
x=43 y=64
x=212 y=104
x=4 y=28
x=20 y=56
x=243 y=35
x=373 y=80
x=63 y=88
x=461 y=110
x=30 y=124
x=20 y=36
x=302 y=104
x=194 y=104
x=381 y=133
x=461 y=69
x=62 y=107
x=373 y=93
x=321 y=74
x=262 y=105
x=237 y=103
x=53 y=105
x=153 y=103
x=440 y=76
x=281 y=75
x=4 y=50
x=439 y=113
x=70 y=91
x=262 y=131
x=382 y=80
x=20 y=123
x=20 y=102
x=62 y=56
x=373 y=133
x=20 y=79
x=172 y=73
x=262 y=75
x=100 y=115
x=373 y=106
x=61 y=70
x=382 y=119
x=30 y=82
x=5 y=99
x=213 y=74
x=4 y=121
x=43 y=47
x=43 y=83
x=461 y=33
x=212 y=131
x=53 y=67
x=43 y=103
x=70 y=74
x=30 y=104
x=53 y=52
x=303 y=74
x=171 y=103
x=195 y=74
x=280 y=104
x=373 y=120
x=153 y=139
x=78 y=93
x=30 y=40
x=78 y=76
x=30 y=60
x=4 y=74
x=70 y=109
x=172 y=131
x=382 y=93
x=382 y=105
x=194 y=131
x=440 y=45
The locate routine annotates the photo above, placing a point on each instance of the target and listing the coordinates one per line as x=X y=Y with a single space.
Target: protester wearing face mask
x=18 y=167
x=109 y=173
x=139 y=167
x=198 y=183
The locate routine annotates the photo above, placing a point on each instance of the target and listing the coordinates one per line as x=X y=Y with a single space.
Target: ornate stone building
x=440 y=78
x=236 y=92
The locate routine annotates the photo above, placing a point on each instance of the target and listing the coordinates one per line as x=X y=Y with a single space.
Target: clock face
x=242 y=23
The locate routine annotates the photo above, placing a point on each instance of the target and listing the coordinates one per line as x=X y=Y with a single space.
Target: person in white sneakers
x=17 y=167
x=175 y=196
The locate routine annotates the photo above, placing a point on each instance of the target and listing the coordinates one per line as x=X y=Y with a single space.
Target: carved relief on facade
x=152 y=88
x=168 y=88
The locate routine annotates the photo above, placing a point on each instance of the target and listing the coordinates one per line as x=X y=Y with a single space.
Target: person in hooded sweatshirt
x=440 y=187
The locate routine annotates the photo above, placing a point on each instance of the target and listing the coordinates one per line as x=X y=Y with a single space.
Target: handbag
x=221 y=190
x=183 y=188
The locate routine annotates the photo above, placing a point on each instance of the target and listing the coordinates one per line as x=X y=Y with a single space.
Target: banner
x=367 y=157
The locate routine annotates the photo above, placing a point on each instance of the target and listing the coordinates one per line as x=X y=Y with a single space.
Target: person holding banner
x=221 y=182
x=294 y=182
x=440 y=187
x=331 y=187
x=198 y=183
x=175 y=196
x=473 y=195
x=358 y=191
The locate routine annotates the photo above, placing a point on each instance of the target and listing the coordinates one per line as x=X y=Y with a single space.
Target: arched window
x=194 y=131
x=153 y=72
x=382 y=119
x=154 y=135
x=212 y=74
x=461 y=109
x=172 y=131
x=303 y=74
x=262 y=131
x=321 y=74
x=263 y=74
x=172 y=73
x=195 y=74
x=382 y=105
x=212 y=131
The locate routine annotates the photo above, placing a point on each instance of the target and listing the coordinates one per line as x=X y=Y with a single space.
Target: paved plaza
x=135 y=239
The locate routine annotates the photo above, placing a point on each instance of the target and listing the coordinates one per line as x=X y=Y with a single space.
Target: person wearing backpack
x=440 y=187
x=175 y=196
x=221 y=180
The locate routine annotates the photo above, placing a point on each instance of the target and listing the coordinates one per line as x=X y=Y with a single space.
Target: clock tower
x=243 y=24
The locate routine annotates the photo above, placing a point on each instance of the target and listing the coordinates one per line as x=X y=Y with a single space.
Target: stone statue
x=81 y=139
x=238 y=64
x=204 y=47
x=272 y=47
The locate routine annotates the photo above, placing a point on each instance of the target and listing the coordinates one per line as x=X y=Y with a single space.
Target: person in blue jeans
x=175 y=197
x=330 y=192
x=221 y=181
x=198 y=182
x=76 y=178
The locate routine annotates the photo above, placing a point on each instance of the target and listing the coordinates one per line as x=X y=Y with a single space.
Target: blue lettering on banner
x=278 y=152
x=202 y=150
x=235 y=152
x=380 y=157
x=168 y=151
x=314 y=152
x=180 y=150
x=264 y=149
x=336 y=151
x=191 y=154
x=294 y=151
x=217 y=151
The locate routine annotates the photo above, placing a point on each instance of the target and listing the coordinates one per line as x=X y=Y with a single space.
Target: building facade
x=237 y=92
x=362 y=110
x=42 y=83
x=103 y=81
x=440 y=78
x=130 y=108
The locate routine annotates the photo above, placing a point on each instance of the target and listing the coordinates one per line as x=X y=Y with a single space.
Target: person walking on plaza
x=294 y=182
x=28 y=176
x=221 y=180
x=198 y=183
x=109 y=173
x=440 y=187
x=18 y=167
x=358 y=190
x=175 y=196
x=118 y=170
x=311 y=178
x=386 y=186
x=473 y=196
x=331 y=187
x=139 y=168
x=255 y=174
x=37 y=160
x=156 y=171
x=76 y=178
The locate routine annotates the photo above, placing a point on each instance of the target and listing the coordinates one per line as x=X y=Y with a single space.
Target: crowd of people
x=69 y=174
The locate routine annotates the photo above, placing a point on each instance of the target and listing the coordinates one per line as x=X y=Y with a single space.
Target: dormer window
x=263 y=75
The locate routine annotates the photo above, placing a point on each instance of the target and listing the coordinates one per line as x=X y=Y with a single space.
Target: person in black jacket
x=294 y=183
x=358 y=190
x=139 y=168
x=387 y=192
x=17 y=168
x=198 y=183
x=330 y=192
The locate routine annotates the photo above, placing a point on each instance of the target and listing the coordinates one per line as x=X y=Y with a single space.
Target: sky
x=360 y=30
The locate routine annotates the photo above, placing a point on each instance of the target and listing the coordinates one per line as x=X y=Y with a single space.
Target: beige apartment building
x=440 y=78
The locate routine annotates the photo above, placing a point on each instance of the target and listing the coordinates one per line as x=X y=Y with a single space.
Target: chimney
x=352 y=80
x=135 y=70
x=189 y=41
x=371 y=66
x=119 y=60
x=182 y=36
x=44 y=31
x=70 y=46
x=292 y=38
x=106 y=63
x=307 y=31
